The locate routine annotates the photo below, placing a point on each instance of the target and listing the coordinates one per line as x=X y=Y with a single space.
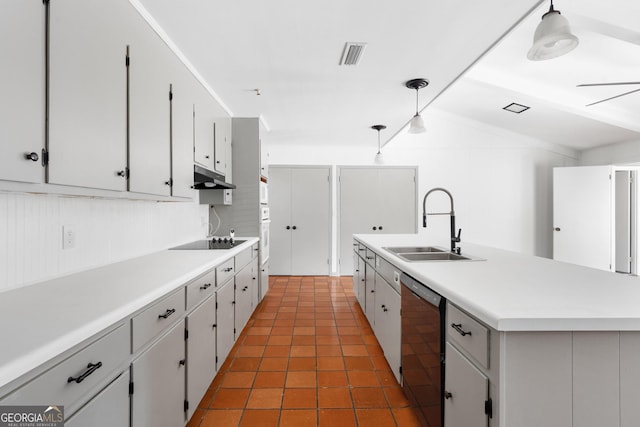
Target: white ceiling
x=291 y=50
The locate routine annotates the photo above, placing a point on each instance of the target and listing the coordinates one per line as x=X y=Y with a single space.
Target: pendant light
x=417 y=124
x=378 y=159
x=552 y=38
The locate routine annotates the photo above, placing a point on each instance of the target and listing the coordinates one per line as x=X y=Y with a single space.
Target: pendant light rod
x=378 y=128
x=417 y=124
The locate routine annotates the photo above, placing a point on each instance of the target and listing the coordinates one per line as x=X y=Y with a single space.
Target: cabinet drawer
x=370 y=257
x=71 y=382
x=254 y=250
x=243 y=258
x=224 y=271
x=361 y=249
x=200 y=289
x=155 y=318
x=469 y=334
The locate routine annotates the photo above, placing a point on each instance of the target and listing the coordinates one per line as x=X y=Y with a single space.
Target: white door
x=311 y=220
x=583 y=216
x=88 y=93
x=300 y=212
x=280 y=215
x=149 y=111
x=22 y=78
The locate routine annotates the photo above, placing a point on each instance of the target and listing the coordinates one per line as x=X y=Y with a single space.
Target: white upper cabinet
x=149 y=111
x=203 y=126
x=22 y=79
x=87 y=93
x=182 y=105
x=222 y=143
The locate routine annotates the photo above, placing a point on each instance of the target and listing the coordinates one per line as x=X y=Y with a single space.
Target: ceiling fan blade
x=613 y=97
x=608 y=84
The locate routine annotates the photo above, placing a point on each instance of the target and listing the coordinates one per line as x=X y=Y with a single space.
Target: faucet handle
x=457 y=238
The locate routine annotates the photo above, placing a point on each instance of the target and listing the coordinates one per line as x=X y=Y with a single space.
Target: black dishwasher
x=422 y=361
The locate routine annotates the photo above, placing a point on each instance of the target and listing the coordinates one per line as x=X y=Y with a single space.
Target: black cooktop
x=210 y=244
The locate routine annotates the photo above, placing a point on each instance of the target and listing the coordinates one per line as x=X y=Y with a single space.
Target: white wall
x=624 y=153
x=106 y=231
x=501 y=182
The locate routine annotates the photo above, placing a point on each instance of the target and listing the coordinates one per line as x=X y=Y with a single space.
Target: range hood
x=204 y=179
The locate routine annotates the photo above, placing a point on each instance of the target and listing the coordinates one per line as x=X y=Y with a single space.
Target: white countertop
x=514 y=292
x=41 y=321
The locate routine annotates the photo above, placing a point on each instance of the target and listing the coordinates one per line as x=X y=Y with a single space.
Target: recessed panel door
x=280 y=215
x=201 y=352
x=466 y=390
x=311 y=220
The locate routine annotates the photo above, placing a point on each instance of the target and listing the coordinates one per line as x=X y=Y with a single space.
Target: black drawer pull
x=228 y=269
x=245 y=289
x=91 y=368
x=205 y=286
x=448 y=395
x=458 y=328
x=167 y=313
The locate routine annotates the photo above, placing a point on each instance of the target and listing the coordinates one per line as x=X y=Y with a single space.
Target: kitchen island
x=562 y=341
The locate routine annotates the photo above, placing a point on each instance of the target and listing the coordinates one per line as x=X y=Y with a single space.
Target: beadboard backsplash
x=106 y=231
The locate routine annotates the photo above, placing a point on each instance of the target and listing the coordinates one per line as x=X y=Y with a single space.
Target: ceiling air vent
x=352 y=53
x=516 y=108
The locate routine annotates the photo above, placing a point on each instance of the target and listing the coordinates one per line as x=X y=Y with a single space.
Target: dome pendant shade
x=552 y=38
x=417 y=124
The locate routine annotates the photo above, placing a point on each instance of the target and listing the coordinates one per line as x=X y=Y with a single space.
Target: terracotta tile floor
x=307 y=357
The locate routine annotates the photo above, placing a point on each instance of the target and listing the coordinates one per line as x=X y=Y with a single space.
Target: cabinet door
x=468 y=388
x=201 y=352
x=387 y=323
x=582 y=216
x=243 y=298
x=356 y=272
x=370 y=294
x=225 y=312
x=159 y=382
x=88 y=92
x=22 y=79
x=109 y=408
x=264 y=279
x=203 y=126
x=255 y=287
x=311 y=220
x=149 y=111
x=222 y=124
x=360 y=292
x=182 y=104
x=280 y=215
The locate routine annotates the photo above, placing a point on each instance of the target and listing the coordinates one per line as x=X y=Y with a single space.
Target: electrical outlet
x=68 y=237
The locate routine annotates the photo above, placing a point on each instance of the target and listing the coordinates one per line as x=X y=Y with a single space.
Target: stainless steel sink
x=433 y=256
x=413 y=249
x=428 y=253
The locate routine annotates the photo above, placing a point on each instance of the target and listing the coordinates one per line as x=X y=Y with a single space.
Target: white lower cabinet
x=158 y=377
x=370 y=294
x=466 y=390
x=360 y=291
x=255 y=285
x=264 y=279
x=108 y=409
x=243 y=298
x=201 y=352
x=387 y=323
x=225 y=313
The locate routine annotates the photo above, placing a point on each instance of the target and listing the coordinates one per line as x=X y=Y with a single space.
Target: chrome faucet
x=454 y=239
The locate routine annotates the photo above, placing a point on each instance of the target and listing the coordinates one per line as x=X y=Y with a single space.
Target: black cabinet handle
x=556 y=229
x=373 y=290
x=288 y=227
x=32 y=156
x=448 y=395
x=122 y=173
x=233 y=303
x=245 y=289
x=379 y=227
x=228 y=269
x=182 y=362
x=294 y=227
x=369 y=257
x=169 y=182
x=458 y=328
x=91 y=368
x=205 y=286
x=375 y=228
x=362 y=249
x=167 y=313
x=206 y=157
